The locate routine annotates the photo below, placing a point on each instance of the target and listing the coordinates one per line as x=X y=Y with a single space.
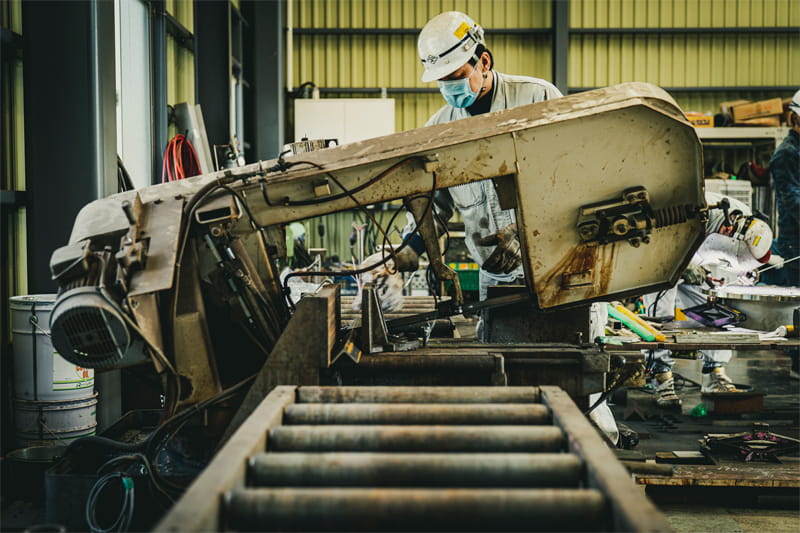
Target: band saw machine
x=608 y=192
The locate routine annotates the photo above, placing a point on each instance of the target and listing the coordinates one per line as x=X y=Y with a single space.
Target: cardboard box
x=765 y=122
x=764 y=108
x=701 y=121
x=725 y=107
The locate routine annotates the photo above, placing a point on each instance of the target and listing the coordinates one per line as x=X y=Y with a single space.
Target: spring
x=675 y=214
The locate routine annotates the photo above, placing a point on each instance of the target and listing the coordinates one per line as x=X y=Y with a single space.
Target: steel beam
x=418 y=395
x=561 y=31
x=604 y=471
x=69 y=121
x=373 y=509
x=445 y=414
x=417 y=438
x=346 y=469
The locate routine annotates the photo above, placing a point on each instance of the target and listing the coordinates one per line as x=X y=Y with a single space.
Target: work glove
x=775 y=261
x=694 y=274
x=506 y=255
x=405 y=259
x=387 y=280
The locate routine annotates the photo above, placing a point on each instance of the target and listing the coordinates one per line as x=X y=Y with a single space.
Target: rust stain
x=597 y=260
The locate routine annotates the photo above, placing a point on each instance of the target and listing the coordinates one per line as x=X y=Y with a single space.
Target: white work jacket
x=477 y=202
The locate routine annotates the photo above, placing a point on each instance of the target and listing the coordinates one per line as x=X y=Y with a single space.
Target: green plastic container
x=467 y=275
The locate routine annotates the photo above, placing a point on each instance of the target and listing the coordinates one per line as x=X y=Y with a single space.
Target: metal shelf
x=743 y=133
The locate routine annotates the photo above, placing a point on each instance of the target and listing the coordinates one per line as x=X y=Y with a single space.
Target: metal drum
x=54 y=423
x=40 y=373
x=766 y=306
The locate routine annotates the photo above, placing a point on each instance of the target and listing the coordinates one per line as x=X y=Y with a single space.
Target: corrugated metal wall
x=14 y=278
x=367 y=57
x=180 y=60
x=686 y=59
x=389 y=59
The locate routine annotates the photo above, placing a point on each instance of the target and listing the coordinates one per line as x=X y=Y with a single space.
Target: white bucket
x=54 y=423
x=40 y=373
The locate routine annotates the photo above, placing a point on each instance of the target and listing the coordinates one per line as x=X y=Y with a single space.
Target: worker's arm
x=786 y=181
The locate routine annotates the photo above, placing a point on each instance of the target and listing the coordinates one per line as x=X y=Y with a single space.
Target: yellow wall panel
x=390 y=60
x=668 y=59
x=684 y=60
x=183 y=11
x=683 y=13
x=180 y=73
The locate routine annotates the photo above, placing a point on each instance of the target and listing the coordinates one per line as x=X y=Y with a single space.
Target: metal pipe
x=416 y=438
x=418 y=394
x=418 y=362
x=372 y=509
x=445 y=414
x=415 y=470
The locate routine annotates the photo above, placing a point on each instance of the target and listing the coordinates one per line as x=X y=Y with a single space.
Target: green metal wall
x=14 y=280
x=744 y=58
x=390 y=60
x=680 y=60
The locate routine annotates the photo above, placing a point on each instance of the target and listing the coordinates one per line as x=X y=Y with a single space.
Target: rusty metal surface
x=578 y=370
x=419 y=361
x=161 y=227
x=194 y=351
x=451 y=414
x=199 y=507
x=645 y=146
x=416 y=438
x=297 y=356
x=685 y=346
x=370 y=509
x=632 y=511
x=556 y=150
x=562 y=488
x=418 y=395
x=346 y=469
x=764 y=475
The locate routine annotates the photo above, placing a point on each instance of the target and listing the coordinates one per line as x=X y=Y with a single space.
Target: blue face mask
x=458 y=93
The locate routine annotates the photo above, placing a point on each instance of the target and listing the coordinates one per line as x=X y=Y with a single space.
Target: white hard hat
x=756 y=234
x=794 y=105
x=446 y=42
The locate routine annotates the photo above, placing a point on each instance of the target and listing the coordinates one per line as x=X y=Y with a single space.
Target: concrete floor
x=764 y=371
x=709 y=518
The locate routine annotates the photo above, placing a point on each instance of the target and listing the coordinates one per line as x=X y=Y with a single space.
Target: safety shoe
x=665 y=390
x=718 y=381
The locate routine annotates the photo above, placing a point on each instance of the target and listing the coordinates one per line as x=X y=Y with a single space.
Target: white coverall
x=684 y=295
x=477 y=202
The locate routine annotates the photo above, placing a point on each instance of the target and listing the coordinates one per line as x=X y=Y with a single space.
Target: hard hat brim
x=435 y=75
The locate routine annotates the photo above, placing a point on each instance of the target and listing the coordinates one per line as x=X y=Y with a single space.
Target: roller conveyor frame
x=390 y=469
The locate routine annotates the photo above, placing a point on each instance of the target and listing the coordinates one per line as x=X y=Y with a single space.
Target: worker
x=734 y=237
x=454 y=54
x=296 y=249
x=785 y=170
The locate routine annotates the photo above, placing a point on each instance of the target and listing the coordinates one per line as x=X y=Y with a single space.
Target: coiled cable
x=125 y=516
